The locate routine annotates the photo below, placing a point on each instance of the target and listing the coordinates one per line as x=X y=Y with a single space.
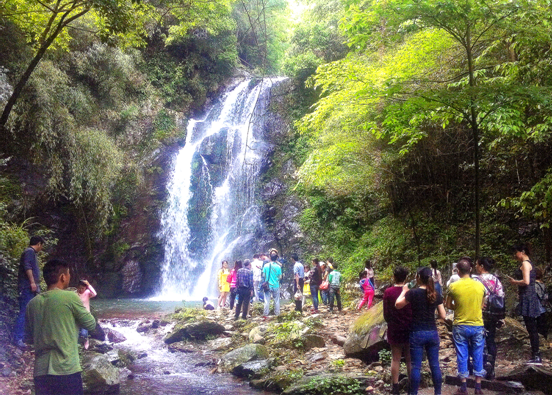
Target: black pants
x=298 y=303
x=490 y=327
x=334 y=292
x=542 y=324
x=233 y=293
x=532 y=328
x=243 y=300
x=70 y=384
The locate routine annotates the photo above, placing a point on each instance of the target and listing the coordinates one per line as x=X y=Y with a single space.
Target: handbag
x=495 y=308
x=324 y=286
x=265 y=286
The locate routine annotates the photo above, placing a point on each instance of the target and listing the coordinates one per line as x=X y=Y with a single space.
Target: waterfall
x=213 y=212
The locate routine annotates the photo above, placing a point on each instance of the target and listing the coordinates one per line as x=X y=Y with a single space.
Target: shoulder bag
x=495 y=308
x=265 y=286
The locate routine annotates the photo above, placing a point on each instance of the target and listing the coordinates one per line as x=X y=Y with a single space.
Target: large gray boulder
x=248 y=353
x=220 y=344
x=253 y=369
x=99 y=376
x=195 y=330
x=367 y=335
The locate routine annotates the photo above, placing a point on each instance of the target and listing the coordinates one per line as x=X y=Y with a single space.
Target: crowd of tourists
x=476 y=297
x=55 y=319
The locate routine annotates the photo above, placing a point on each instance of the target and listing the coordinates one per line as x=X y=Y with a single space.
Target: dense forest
x=420 y=129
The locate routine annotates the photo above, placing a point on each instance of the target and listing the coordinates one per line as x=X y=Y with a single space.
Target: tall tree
x=46 y=21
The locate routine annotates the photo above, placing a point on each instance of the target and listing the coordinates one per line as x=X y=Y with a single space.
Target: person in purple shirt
x=398 y=326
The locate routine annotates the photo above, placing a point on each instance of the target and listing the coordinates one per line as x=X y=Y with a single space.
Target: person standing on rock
x=52 y=324
x=367 y=290
x=224 y=285
x=369 y=269
x=529 y=305
x=257 y=268
x=437 y=277
x=466 y=297
x=299 y=280
x=335 y=287
x=424 y=300
x=398 y=326
x=272 y=273
x=232 y=279
x=315 y=281
x=492 y=284
x=28 y=280
x=85 y=292
x=244 y=286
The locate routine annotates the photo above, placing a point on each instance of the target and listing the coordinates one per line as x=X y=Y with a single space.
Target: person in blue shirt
x=272 y=274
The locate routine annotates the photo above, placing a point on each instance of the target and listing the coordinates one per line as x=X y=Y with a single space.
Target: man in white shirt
x=257 y=266
x=299 y=280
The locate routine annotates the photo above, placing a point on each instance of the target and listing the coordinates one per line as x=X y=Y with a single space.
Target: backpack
x=543 y=296
x=495 y=309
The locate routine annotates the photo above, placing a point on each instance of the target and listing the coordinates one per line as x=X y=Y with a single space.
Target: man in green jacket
x=52 y=323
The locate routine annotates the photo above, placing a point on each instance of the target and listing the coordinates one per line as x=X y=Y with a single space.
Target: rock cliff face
x=127 y=262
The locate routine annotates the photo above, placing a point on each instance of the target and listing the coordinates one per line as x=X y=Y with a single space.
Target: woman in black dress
x=529 y=305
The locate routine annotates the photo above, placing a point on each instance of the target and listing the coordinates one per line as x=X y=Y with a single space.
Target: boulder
x=143 y=327
x=114 y=336
x=512 y=333
x=313 y=341
x=257 y=334
x=248 y=353
x=220 y=344
x=253 y=369
x=533 y=377
x=367 y=335
x=196 y=330
x=99 y=376
x=99 y=346
x=183 y=347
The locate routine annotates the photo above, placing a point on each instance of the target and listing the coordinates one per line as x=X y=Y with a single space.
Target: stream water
x=160 y=371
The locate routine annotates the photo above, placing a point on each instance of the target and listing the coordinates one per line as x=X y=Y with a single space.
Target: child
x=85 y=292
x=368 y=289
x=207 y=305
x=334 y=279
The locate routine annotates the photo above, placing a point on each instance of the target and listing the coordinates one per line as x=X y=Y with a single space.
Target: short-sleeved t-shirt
x=53 y=319
x=468 y=295
x=275 y=272
x=423 y=313
x=299 y=270
x=28 y=261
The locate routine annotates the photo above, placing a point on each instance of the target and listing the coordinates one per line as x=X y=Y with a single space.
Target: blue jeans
x=275 y=293
x=430 y=341
x=25 y=297
x=469 y=341
x=314 y=296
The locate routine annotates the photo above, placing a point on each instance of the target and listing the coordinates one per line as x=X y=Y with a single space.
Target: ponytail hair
x=426 y=279
x=434 y=266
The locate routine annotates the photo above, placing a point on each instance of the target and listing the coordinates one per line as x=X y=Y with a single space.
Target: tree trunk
x=475 y=132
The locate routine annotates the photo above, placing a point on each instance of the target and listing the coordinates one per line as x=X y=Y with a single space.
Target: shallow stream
x=162 y=372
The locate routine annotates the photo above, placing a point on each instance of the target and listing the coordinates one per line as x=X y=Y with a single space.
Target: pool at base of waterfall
x=160 y=371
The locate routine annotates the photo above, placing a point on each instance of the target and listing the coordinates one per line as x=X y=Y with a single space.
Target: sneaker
x=459 y=391
x=536 y=360
x=478 y=391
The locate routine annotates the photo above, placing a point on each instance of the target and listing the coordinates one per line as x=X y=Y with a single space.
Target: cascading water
x=212 y=212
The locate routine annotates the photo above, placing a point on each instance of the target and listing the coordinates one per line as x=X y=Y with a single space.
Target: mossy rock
x=240 y=356
x=367 y=335
x=195 y=330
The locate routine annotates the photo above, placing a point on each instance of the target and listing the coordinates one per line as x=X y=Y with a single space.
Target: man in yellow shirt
x=52 y=323
x=466 y=299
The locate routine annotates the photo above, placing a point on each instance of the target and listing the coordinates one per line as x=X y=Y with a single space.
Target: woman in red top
x=398 y=326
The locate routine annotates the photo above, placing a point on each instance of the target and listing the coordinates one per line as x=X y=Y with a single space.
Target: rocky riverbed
x=197 y=352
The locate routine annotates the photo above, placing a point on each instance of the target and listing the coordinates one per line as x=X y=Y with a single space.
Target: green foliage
x=385 y=357
x=330 y=386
